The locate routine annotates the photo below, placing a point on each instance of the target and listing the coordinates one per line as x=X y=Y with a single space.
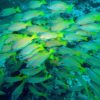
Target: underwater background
x=49 y=49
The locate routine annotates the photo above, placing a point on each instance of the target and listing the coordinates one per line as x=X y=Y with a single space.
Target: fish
x=93 y=61
x=30 y=14
x=83 y=81
x=35 y=91
x=68 y=51
x=59 y=6
x=6 y=48
x=96 y=71
x=61 y=83
x=13 y=79
x=18 y=91
x=2 y=92
x=38 y=59
x=91 y=27
x=1 y=76
x=84 y=33
x=29 y=49
x=89 y=18
x=59 y=27
x=2 y=41
x=73 y=28
x=97 y=40
x=5 y=32
x=33 y=53
x=93 y=76
x=70 y=37
x=36 y=4
x=4 y=27
x=12 y=37
x=83 y=55
x=4 y=57
x=37 y=29
x=48 y=35
x=97 y=55
x=96 y=90
x=9 y=11
x=31 y=71
x=19 y=44
x=34 y=80
x=40 y=21
x=17 y=17
x=19 y=26
x=58 y=20
x=55 y=43
x=89 y=46
x=64 y=24
x=70 y=62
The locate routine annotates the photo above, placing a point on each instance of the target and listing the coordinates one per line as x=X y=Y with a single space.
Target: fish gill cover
x=48 y=53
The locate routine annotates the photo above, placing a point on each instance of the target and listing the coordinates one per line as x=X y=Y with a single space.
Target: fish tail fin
x=70 y=8
x=34 y=36
x=42 y=13
x=44 y=2
x=29 y=23
x=52 y=51
x=18 y=9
